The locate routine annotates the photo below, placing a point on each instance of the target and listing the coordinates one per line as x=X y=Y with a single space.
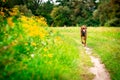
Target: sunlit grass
x=73 y=34
x=29 y=50
x=105 y=42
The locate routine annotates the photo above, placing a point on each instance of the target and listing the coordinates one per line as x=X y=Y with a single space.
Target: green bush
x=113 y=22
x=23 y=9
x=32 y=51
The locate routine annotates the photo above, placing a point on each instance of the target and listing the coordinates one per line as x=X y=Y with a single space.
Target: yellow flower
x=57 y=39
x=14 y=42
x=10 y=22
x=14 y=11
x=33 y=28
x=45 y=49
x=50 y=55
x=2 y=14
x=33 y=44
x=42 y=35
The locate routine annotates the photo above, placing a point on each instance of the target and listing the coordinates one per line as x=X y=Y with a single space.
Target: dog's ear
x=82 y=27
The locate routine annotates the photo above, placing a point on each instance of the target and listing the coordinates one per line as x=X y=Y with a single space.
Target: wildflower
x=32 y=55
x=13 y=12
x=43 y=43
x=5 y=47
x=50 y=55
x=2 y=14
x=42 y=35
x=10 y=22
x=57 y=39
x=13 y=43
x=33 y=44
x=45 y=49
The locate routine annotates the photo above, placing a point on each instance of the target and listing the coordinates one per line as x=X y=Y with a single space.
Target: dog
x=83 y=35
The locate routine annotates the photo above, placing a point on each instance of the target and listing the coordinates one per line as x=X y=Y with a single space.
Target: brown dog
x=83 y=35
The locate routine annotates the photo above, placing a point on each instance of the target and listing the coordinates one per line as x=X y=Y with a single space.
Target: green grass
x=105 y=42
x=46 y=55
x=57 y=56
x=73 y=34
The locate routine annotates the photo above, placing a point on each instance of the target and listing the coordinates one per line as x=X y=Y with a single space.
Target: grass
x=105 y=42
x=32 y=52
x=73 y=34
x=28 y=50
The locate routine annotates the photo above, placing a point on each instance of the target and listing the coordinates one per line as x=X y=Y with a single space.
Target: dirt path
x=98 y=69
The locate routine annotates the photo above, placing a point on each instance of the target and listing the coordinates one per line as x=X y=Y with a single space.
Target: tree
x=44 y=10
x=60 y=16
x=80 y=10
x=108 y=13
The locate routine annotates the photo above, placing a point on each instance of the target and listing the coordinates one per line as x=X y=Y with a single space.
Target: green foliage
x=108 y=13
x=113 y=22
x=1 y=21
x=44 y=10
x=24 y=10
x=31 y=51
x=72 y=36
x=77 y=11
x=91 y=22
x=61 y=16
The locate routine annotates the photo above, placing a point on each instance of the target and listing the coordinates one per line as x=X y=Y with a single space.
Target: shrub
x=30 y=50
x=25 y=11
x=113 y=22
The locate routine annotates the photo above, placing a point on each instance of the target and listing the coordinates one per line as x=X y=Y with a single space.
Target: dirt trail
x=98 y=69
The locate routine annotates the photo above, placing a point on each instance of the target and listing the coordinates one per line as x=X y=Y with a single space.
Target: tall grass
x=73 y=34
x=31 y=51
x=105 y=42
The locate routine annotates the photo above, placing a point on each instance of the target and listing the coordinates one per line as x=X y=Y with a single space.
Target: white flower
x=32 y=55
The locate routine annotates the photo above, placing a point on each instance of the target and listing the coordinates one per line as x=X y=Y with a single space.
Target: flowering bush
x=31 y=50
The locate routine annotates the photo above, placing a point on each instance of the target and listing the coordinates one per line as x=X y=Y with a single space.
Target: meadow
x=31 y=50
x=105 y=44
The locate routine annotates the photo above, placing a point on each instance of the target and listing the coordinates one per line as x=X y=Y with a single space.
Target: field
x=40 y=40
x=31 y=50
x=105 y=43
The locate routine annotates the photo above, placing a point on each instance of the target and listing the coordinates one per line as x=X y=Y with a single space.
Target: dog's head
x=83 y=27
